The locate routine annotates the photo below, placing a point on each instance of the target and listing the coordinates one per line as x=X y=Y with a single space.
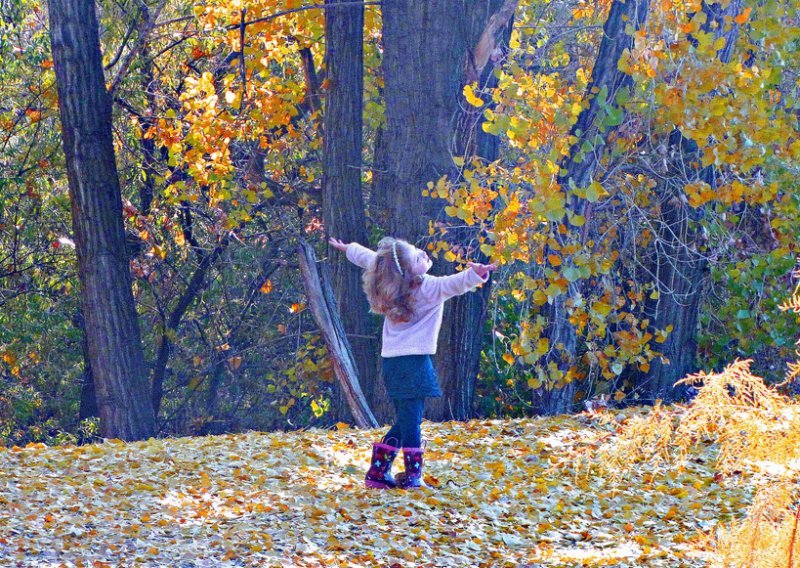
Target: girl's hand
x=482 y=269
x=337 y=244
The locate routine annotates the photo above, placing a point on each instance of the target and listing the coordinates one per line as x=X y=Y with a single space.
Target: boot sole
x=377 y=485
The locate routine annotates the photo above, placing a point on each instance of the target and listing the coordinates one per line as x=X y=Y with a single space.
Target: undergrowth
x=756 y=432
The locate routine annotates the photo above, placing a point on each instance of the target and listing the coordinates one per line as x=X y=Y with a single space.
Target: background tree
x=429 y=50
x=679 y=265
x=342 y=200
x=111 y=323
x=594 y=206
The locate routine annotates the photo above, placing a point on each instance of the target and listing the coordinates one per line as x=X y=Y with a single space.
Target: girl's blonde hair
x=389 y=287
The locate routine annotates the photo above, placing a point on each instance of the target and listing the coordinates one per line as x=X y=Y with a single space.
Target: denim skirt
x=410 y=376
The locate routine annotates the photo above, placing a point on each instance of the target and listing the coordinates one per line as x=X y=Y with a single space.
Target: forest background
x=630 y=165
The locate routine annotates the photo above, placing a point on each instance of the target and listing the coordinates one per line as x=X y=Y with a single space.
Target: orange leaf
x=743 y=17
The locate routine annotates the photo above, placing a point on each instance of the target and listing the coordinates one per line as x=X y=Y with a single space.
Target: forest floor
x=298 y=499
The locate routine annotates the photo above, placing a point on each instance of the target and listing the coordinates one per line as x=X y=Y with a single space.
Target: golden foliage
x=298 y=499
x=767 y=536
x=755 y=432
x=747 y=419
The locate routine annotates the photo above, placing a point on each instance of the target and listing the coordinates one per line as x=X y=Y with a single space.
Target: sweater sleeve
x=361 y=256
x=441 y=288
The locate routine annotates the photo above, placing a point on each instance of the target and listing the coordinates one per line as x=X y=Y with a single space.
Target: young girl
x=398 y=287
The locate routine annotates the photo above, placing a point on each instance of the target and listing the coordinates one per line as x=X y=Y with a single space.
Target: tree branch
x=488 y=42
x=144 y=32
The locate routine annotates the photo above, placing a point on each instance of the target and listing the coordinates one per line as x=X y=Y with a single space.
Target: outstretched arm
x=441 y=288
x=482 y=269
x=357 y=254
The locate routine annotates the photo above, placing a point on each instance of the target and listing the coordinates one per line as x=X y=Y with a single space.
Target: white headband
x=396 y=260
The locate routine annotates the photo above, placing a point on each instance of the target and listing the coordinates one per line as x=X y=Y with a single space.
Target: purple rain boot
x=379 y=475
x=411 y=478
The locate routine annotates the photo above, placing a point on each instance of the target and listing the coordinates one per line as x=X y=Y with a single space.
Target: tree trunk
x=680 y=272
x=88 y=407
x=578 y=169
x=112 y=330
x=463 y=321
x=428 y=48
x=679 y=267
x=343 y=203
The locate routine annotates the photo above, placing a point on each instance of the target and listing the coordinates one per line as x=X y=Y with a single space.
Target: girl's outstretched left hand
x=482 y=269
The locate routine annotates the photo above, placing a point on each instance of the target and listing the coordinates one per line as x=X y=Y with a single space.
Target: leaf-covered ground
x=297 y=499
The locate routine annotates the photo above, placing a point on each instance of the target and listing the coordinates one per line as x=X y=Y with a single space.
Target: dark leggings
x=406 y=429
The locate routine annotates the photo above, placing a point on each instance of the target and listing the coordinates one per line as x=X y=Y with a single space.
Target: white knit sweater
x=418 y=336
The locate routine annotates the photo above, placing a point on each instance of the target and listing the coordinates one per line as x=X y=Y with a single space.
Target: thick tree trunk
x=424 y=46
x=428 y=48
x=112 y=330
x=679 y=266
x=343 y=203
x=578 y=169
x=463 y=329
x=680 y=273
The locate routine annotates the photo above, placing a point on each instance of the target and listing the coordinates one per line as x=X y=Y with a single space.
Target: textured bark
x=679 y=266
x=323 y=307
x=112 y=330
x=424 y=48
x=343 y=203
x=680 y=273
x=428 y=57
x=606 y=79
x=463 y=324
x=88 y=407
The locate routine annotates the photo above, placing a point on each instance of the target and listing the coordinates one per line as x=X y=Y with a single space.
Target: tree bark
x=343 y=208
x=679 y=266
x=88 y=407
x=578 y=169
x=112 y=329
x=680 y=274
x=323 y=307
x=463 y=326
x=428 y=57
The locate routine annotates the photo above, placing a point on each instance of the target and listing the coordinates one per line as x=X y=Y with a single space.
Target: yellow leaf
x=601 y=308
x=266 y=287
x=469 y=94
x=508 y=358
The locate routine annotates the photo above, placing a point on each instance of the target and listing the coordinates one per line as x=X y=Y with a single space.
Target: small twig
x=124 y=43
